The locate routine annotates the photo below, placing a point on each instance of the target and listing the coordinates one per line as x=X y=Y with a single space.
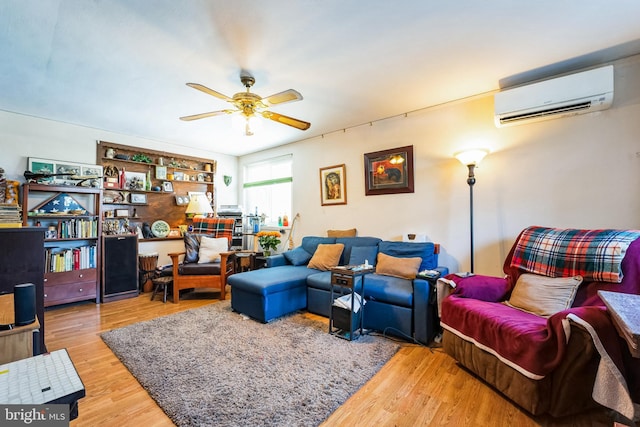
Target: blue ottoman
x=269 y=293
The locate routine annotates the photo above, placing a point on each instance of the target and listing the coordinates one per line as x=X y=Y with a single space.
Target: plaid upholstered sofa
x=292 y=281
x=541 y=335
x=189 y=269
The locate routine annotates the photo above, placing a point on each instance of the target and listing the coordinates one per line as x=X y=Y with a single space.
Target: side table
x=626 y=318
x=16 y=343
x=344 y=322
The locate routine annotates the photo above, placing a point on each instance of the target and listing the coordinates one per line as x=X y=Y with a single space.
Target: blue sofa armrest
x=276 y=260
x=425 y=321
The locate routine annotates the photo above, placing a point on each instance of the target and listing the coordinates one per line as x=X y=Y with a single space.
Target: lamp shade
x=199 y=206
x=471 y=157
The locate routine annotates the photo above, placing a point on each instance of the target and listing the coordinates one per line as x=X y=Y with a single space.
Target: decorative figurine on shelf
x=269 y=241
x=146 y=230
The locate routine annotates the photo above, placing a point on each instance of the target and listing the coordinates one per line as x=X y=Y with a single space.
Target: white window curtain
x=267 y=188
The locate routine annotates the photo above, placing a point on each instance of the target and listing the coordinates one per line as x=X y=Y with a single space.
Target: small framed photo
x=167 y=186
x=122 y=213
x=389 y=171
x=138 y=198
x=161 y=172
x=333 y=185
x=178 y=176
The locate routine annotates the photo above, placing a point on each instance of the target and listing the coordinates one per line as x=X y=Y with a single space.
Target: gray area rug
x=212 y=367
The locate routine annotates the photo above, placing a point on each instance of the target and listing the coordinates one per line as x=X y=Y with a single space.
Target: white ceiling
x=122 y=65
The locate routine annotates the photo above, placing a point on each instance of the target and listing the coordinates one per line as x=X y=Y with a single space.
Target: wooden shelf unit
x=160 y=205
x=78 y=280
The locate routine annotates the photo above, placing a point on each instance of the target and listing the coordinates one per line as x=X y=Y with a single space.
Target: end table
x=344 y=322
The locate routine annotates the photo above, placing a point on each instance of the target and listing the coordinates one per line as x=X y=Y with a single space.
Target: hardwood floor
x=417 y=387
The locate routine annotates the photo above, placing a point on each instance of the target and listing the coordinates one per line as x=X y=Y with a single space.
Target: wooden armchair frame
x=214 y=227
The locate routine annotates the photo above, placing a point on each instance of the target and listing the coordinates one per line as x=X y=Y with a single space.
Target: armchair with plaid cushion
x=206 y=261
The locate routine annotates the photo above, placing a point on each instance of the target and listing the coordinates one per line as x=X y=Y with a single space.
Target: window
x=267 y=188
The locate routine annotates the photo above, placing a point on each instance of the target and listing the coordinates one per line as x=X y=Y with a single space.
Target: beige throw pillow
x=543 y=295
x=326 y=256
x=405 y=268
x=210 y=249
x=342 y=233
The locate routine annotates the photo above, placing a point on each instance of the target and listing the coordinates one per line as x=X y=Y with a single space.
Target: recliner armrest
x=484 y=288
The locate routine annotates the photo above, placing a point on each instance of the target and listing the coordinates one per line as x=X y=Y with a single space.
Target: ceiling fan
x=251 y=105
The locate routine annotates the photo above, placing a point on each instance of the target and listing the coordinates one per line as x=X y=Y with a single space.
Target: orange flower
x=269 y=240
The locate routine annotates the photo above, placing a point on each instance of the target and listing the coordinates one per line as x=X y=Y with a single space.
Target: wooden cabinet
x=144 y=186
x=71 y=219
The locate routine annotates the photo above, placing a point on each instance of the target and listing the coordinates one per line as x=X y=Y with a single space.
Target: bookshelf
x=71 y=219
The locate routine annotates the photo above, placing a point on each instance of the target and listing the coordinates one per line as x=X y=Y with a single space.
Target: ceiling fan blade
x=290 y=121
x=282 y=97
x=204 y=115
x=209 y=91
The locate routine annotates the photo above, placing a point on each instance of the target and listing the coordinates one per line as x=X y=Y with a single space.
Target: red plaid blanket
x=595 y=255
x=218 y=227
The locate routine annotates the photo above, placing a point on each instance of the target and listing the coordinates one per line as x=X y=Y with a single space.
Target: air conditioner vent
x=560 y=97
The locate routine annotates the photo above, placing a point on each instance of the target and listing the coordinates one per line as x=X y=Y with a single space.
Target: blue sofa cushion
x=423 y=250
x=297 y=256
x=271 y=280
x=361 y=253
x=389 y=290
x=351 y=242
x=310 y=243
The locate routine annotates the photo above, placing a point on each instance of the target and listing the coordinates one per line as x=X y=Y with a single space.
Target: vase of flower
x=269 y=241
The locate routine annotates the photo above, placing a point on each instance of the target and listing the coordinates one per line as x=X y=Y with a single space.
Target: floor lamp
x=471 y=159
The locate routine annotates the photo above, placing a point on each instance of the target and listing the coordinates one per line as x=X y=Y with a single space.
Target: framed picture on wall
x=138 y=198
x=333 y=185
x=389 y=171
x=167 y=187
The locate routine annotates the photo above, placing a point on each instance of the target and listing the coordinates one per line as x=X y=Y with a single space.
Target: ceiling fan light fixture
x=248 y=124
x=249 y=106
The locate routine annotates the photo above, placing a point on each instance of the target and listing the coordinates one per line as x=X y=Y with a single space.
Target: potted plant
x=269 y=241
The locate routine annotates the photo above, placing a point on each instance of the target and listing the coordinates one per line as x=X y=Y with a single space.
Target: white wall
x=579 y=172
x=23 y=136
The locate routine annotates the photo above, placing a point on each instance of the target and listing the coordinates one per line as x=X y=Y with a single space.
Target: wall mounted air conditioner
x=578 y=93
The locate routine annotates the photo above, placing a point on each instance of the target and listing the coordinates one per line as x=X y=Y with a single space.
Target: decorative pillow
x=361 y=253
x=544 y=295
x=342 y=233
x=405 y=268
x=191 y=247
x=210 y=249
x=424 y=250
x=326 y=256
x=297 y=256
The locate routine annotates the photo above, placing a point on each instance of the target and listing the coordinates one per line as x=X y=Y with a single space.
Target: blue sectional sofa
x=402 y=307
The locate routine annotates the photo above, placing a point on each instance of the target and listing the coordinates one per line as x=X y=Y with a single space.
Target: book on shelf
x=68 y=259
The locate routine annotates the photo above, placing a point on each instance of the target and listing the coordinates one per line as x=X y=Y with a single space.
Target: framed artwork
x=333 y=185
x=161 y=172
x=389 y=171
x=135 y=180
x=40 y=166
x=167 y=186
x=138 y=198
x=65 y=173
